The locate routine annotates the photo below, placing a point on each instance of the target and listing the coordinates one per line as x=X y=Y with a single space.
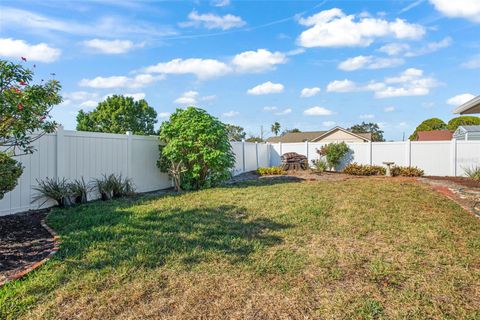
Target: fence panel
x=467 y=156
x=39 y=165
x=389 y=152
x=433 y=157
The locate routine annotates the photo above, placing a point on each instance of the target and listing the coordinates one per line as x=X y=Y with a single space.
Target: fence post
x=280 y=148
x=256 y=152
x=306 y=151
x=409 y=152
x=129 y=154
x=269 y=156
x=453 y=157
x=370 y=152
x=60 y=152
x=243 y=155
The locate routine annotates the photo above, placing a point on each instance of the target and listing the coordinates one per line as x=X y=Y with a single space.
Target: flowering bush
x=24 y=107
x=24 y=117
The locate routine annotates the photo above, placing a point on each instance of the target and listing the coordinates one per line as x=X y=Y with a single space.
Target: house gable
x=339 y=134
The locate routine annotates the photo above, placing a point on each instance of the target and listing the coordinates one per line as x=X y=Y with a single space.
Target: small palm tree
x=275 y=128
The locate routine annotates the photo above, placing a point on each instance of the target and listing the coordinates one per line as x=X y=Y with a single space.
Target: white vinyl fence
x=74 y=154
x=440 y=158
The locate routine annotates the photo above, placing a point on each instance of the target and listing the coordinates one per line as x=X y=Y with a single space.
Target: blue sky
x=306 y=64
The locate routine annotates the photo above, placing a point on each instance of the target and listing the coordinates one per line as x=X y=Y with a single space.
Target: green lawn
x=362 y=248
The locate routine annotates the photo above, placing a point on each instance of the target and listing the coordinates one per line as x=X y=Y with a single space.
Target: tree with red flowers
x=24 y=117
x=25 y=107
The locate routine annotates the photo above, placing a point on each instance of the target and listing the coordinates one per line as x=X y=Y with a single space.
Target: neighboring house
x=435 y=135
x=467 y=133
x=469 y=107
x=336 y=134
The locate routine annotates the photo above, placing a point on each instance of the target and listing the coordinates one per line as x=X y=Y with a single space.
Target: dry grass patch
x=363 y=249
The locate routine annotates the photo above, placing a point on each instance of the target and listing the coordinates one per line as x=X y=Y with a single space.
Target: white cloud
x=317 y=111
x=138 y=81
x=192 y=98
x=369 y=62
x=163 y=114
x=106 y=26
x=473 y=63
x=328 y=123
x=309 y=92
x=460 y=99
x=111 y=46
x=202 y=68
x=468 y=9
x=393 y=49
x=367 y=116
x=266 y=88
x=213 y=21
x=332 y=28
x=80 y=95
x=221 y=3
x=410 y=82
x=136 y=96
x=258 y=61
x=89 y=104
x=341 y=86
x=35 y=52
x=269 y=109
x=230 y=114
x=284 y=112
x=188 y=98
x=389 y=109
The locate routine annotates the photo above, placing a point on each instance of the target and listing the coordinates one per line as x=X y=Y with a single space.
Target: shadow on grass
x=105 y=235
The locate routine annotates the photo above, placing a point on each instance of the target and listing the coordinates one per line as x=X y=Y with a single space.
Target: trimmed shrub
x=398 y=171
x=271 y=171
x=10 y=171
x=364 y=170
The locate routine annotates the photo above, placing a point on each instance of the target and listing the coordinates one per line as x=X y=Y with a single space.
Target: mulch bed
x=25 y=243
x=463 y=181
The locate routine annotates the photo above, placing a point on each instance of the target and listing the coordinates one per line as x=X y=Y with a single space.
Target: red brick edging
x=22 y=272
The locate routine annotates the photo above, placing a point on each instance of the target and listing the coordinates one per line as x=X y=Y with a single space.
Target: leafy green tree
x=290 y=131
x=454 y=123
x=119 y=114
x=429 y=125
x=235 y=133
x=24 y=117
x=275 y=128
x=25 y=107
x=373 y=128
x=199 y=143
x=254 y=139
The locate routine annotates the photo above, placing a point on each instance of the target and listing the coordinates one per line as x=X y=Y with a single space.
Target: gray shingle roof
x=471 y=128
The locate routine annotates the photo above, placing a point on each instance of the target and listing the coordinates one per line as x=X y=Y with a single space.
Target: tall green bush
x=200 y=143
x=334 y=153
x=10 y=171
